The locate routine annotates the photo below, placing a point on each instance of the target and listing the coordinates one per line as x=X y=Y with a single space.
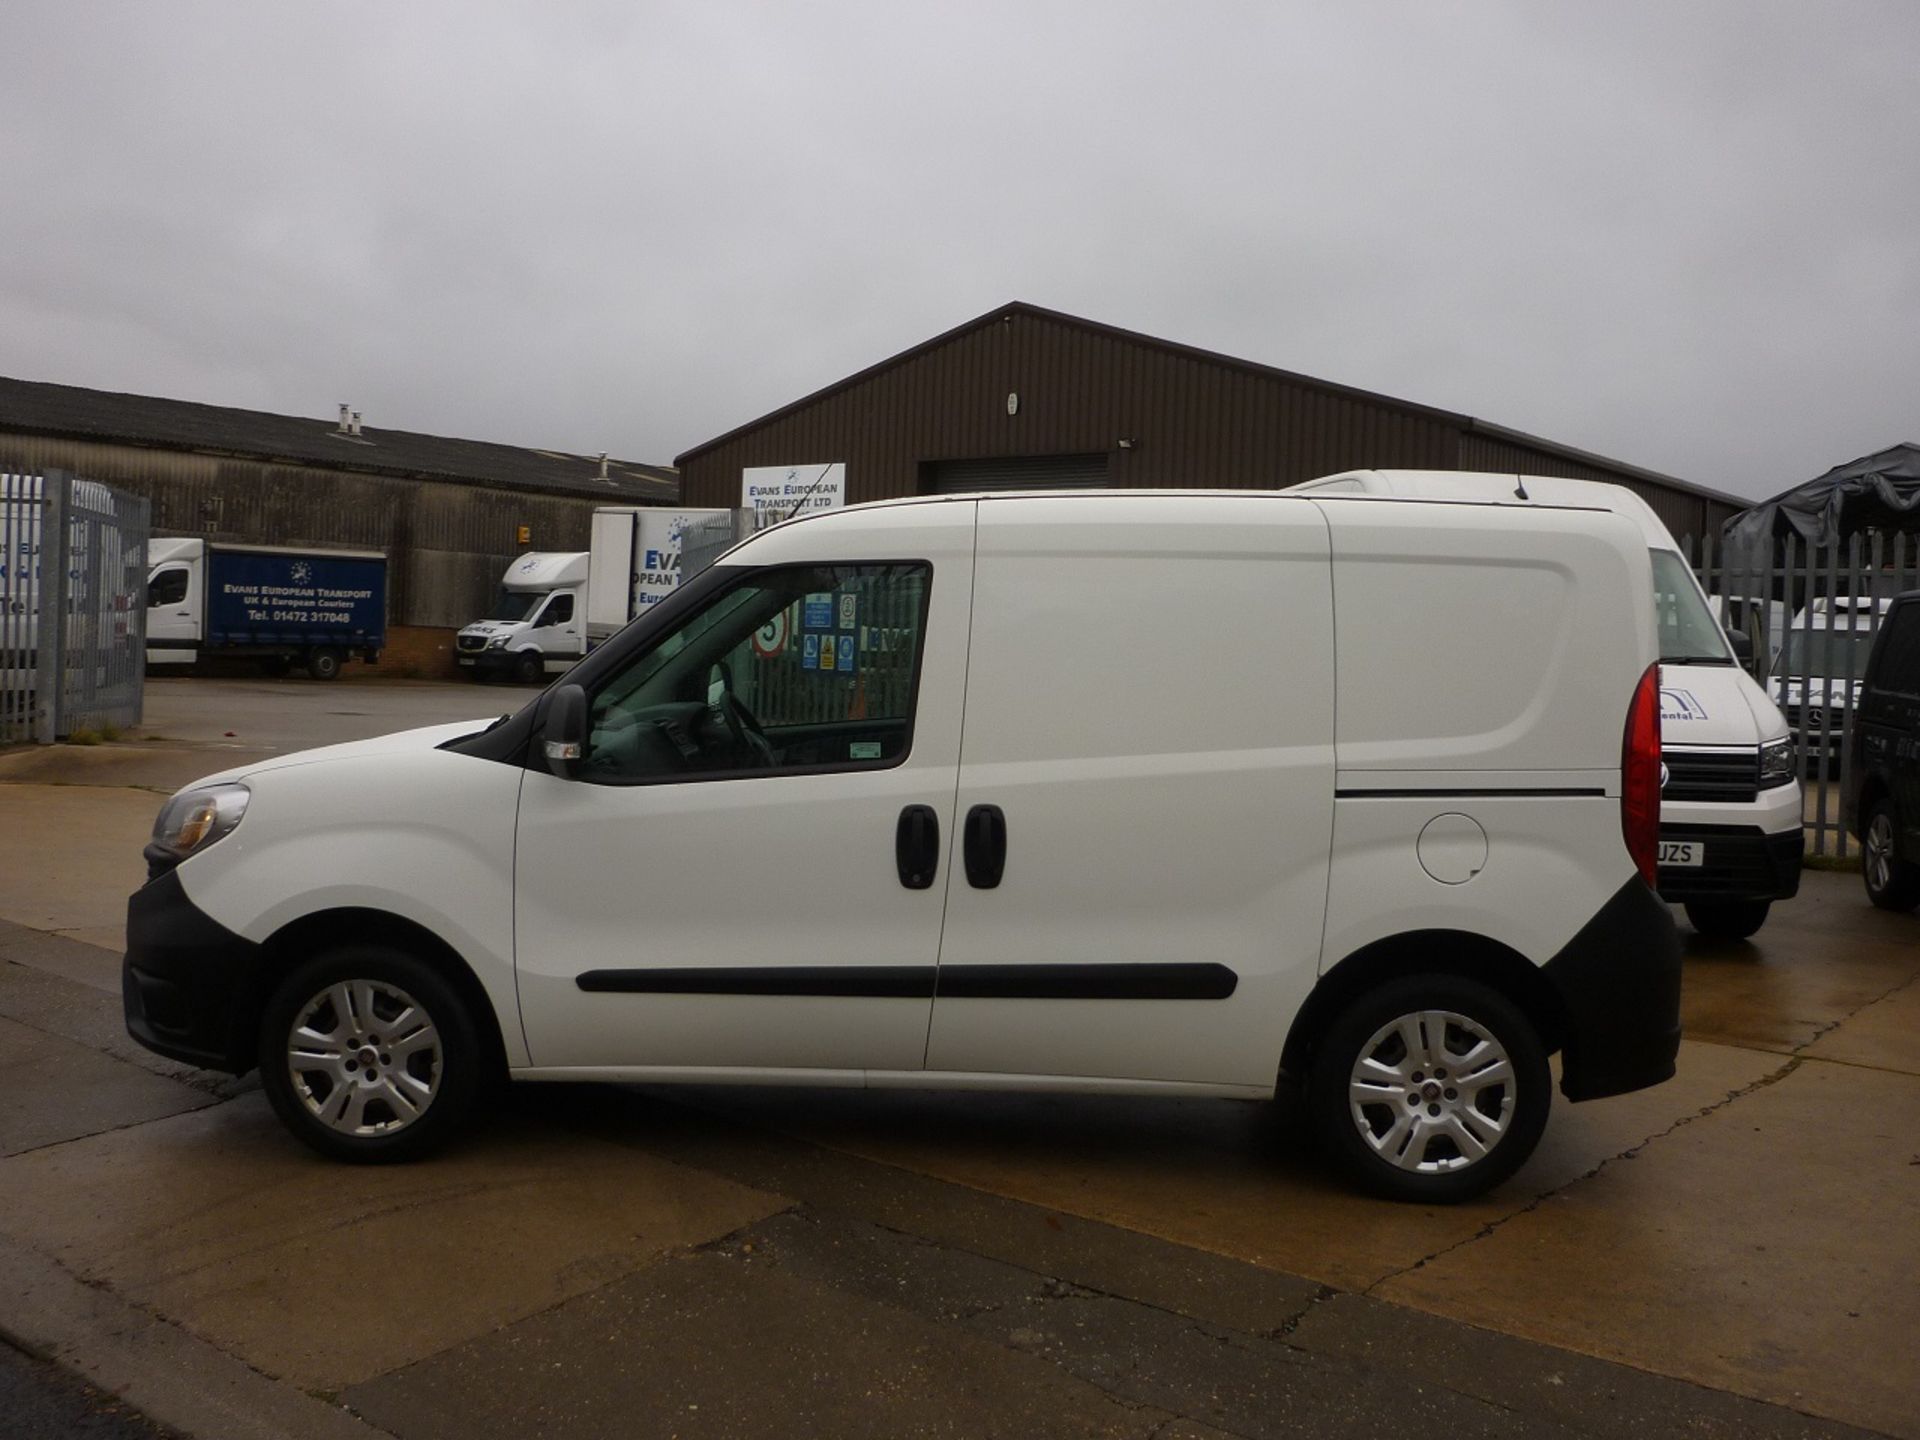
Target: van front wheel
x=368 y=1054
x=1433 y=1088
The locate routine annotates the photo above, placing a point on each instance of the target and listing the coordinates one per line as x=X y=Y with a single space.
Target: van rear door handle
x=985 y=846
x=916 y=846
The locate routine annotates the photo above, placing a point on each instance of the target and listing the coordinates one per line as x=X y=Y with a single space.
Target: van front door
x=1146 y=791
x=748 y=870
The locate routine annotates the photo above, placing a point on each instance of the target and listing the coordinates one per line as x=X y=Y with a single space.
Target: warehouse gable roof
x=1464 y=423
x=70 y=412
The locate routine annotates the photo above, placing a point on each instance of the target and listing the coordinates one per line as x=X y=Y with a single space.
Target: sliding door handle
x=916 y=846
x=986 y=846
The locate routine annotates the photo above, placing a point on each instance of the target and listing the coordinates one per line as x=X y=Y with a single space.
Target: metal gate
x=705 y=540
x=1810 y=615
x=73 y=616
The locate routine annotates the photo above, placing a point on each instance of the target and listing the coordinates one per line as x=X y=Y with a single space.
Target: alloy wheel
x=1432 y=1092
x=365 y=1058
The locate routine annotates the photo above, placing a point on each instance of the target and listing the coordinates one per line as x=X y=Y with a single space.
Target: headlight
x=498 y=642
x=195 y=819
x=1776 y=762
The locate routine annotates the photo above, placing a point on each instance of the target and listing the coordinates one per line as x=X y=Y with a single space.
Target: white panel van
x=1730 y=835
x=1170 y=794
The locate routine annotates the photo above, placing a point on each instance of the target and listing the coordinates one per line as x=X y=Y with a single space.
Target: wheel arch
x=1424 y=952
x=326 y=929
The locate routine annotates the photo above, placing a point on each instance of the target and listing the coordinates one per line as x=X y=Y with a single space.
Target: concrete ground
x=1731 y=1254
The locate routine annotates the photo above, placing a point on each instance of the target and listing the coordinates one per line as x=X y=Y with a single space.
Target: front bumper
x=187 y=983
x=1742 y=862
x=1618 y=982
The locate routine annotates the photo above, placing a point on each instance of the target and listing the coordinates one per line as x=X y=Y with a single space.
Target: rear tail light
x=1640 y=778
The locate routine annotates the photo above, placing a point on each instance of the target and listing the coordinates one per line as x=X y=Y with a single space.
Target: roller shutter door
x=1014 y=472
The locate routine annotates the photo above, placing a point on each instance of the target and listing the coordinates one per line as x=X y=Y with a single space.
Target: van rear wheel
x=1432 y=1088
x=369 y=1055
x=1727 y=919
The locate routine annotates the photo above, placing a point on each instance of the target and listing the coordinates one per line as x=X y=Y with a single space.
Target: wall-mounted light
x=1126 y=442
x=1013 y=402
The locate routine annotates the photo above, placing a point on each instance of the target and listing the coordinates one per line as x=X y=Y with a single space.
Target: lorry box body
x=1075 y=792
x=1731 y=837
x=636 y=562
x=537 y=626
x=280 y=605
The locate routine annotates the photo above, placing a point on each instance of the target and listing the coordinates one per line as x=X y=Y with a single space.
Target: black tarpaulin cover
x=1881 y=491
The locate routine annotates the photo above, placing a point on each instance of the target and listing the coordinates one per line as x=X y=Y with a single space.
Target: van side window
x=796 y=669
x=169 y=587
x=559 y=610
x=1899 y=668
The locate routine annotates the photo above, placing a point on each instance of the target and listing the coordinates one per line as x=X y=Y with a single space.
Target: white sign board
x=776 y=492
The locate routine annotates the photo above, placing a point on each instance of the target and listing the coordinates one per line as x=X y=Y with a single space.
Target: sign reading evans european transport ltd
x=779 y=492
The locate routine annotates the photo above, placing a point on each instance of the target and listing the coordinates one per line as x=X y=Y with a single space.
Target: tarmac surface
x=1730 y=1254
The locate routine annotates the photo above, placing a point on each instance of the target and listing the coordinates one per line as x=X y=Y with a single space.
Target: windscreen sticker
x=863 y=750
x=1680 y=705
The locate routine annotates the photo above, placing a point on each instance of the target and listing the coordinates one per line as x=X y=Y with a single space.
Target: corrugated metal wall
x=446 y=543
x=1192 y=422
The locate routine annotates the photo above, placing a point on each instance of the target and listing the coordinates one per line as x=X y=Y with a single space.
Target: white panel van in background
x=925 y=794
x=1730 y=833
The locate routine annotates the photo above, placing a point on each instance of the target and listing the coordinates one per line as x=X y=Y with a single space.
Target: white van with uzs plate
x=1730 y=833
x=1049 y=792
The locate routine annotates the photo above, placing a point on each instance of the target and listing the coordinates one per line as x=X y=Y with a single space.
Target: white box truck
x=538 y=625
x=636 y=561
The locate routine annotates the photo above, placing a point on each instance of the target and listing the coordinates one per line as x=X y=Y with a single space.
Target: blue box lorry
x=281 y=606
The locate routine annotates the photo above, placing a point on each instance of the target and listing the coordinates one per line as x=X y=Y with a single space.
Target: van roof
x=1555 y=490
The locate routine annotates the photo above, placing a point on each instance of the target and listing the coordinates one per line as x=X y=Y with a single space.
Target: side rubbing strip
x=908 y=982
x=1196 y=981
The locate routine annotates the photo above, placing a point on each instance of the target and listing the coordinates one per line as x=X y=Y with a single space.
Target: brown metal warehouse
x=1024 y=397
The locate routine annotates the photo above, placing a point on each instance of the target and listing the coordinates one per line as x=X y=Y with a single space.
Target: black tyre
x=368 y=1054
x=1432 y=1088
x=324 y=663
x=529 y=668
x=1892 y=883
x=1727 y=919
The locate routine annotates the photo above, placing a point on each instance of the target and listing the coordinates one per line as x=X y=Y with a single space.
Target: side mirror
x=563 y=733
x=1742 y=644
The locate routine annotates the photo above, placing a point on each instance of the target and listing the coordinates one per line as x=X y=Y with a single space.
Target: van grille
x=471 y=643
x=1712 y=775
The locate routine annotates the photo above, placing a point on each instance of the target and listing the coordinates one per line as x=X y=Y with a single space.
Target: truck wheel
x=1892 y=883
x=323 y=663
x=1727 y=919
x=369 y=1055
x=529 y=668
x=1432 y=1088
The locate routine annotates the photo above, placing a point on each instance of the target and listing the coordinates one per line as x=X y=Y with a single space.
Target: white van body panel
x=1120 y=848
x=393 y=825
x=786 y=870
x=1710 y=714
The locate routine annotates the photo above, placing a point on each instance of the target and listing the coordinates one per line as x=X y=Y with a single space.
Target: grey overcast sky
x=1686 y=235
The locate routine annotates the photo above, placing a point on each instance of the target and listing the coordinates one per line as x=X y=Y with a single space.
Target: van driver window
x=559 y=610
x=169 y=587
x=796 y=668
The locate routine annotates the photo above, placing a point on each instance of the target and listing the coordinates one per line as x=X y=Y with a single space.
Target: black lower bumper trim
x=1743 y=862
x=186 y=980
x=1619 y=987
